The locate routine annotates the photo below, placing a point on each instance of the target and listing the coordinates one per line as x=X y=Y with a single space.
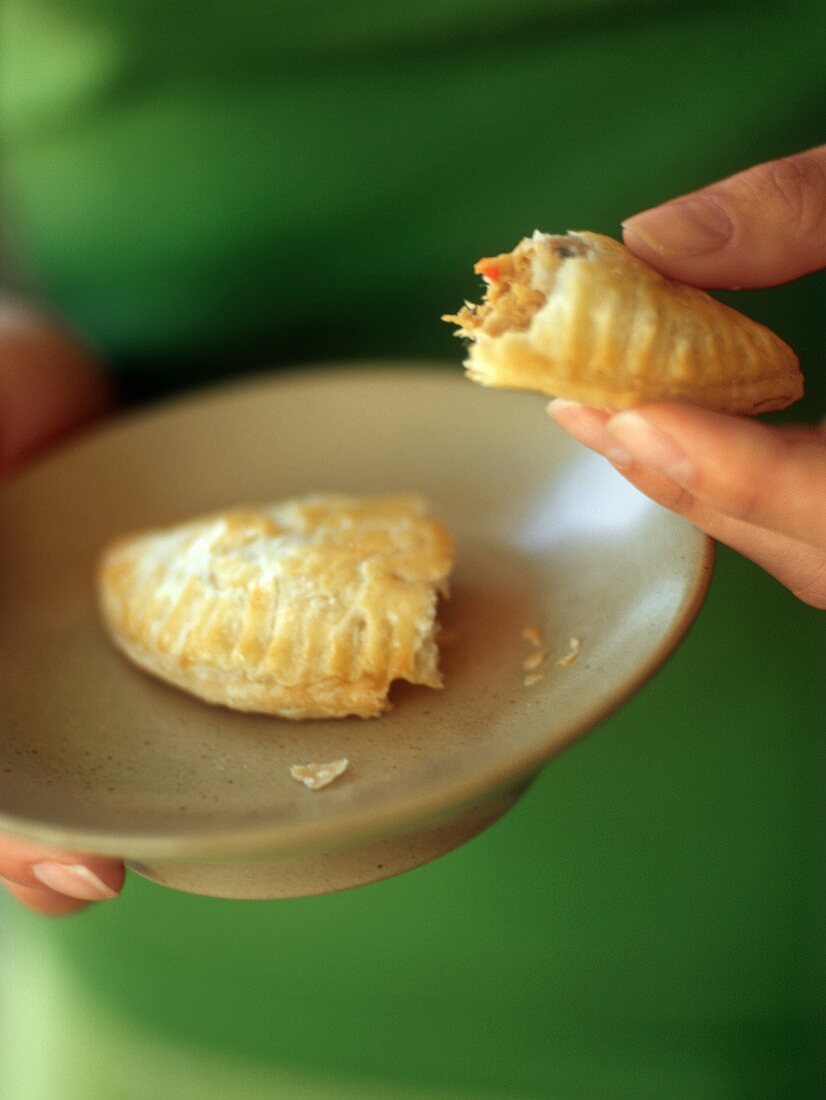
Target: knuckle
x=662 y=490
x=797 y=186
x=753 y=484
x=743 y=501
x=678 y=500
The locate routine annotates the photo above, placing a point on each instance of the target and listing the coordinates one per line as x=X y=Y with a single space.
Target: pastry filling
x=510 y=300
x=512 y=297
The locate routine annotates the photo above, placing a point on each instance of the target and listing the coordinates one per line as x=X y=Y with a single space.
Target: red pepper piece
x=489 y=269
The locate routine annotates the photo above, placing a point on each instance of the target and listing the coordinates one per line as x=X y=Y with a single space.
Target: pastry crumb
x=533 y=678
x=572 y=654
x=316 y=776
x=532 y=635
x=535 y=659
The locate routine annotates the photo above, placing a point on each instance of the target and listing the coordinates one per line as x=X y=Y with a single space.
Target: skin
x=760 y=490
x=50 y=386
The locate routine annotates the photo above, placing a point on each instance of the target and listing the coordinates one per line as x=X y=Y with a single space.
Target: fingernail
x=72 y=879
x=651 y=447
x=685 y=228
x=589 y=427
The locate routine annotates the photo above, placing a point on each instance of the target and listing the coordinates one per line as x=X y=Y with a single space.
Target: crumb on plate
x=532 y=635
x=535 y=659
x=572 y=654
x=533 y=678
x=316 y=776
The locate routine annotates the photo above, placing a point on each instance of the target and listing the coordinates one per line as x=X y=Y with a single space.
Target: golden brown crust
x=608 y=330
x=306 y=609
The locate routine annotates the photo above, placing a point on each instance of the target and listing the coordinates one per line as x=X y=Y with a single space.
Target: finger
x=589 y=426
x=34 y=866
x=49 y=383
x=761 y=227
x=738 y=467
x=798 y=566
x=44 y=901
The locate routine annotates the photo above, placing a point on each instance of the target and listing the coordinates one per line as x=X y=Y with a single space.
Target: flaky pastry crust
x=579 y=316
x=309 y=608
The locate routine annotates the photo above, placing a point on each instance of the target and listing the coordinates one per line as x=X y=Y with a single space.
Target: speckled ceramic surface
x=98 y=756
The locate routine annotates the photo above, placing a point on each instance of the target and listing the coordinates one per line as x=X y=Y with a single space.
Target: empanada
x=309 y=608
x=579 y=316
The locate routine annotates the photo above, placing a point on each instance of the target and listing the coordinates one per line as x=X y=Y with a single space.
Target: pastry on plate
x=309 y=608
x=579 y=316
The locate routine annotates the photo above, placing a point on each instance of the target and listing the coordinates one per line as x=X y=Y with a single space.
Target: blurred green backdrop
x=206 y=189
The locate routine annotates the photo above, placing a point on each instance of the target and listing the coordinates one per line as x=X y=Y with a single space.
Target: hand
x=49 y=385
x=761 y=490
x=54 y=881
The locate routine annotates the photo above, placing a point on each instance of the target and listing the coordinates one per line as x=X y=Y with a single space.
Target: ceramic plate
x=99 y=756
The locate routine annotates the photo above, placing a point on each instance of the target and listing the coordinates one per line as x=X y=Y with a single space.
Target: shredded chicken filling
x=510 y=300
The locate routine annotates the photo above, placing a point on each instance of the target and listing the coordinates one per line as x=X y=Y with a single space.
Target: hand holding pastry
x=48 y=386
x=761 y=490
x=580 y=316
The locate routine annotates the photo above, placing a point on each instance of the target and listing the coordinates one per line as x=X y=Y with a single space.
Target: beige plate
x=98 y=756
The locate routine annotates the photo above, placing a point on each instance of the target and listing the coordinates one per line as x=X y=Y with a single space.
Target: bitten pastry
x=579 y=316
x=309 y=608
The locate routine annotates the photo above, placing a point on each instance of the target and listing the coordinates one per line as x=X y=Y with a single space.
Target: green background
x=207 y=189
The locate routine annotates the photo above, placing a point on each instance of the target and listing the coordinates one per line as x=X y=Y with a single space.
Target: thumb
x=762 y=227
x=49 y=383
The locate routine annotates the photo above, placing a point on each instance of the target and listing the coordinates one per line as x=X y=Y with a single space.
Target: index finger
x=739 y=467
